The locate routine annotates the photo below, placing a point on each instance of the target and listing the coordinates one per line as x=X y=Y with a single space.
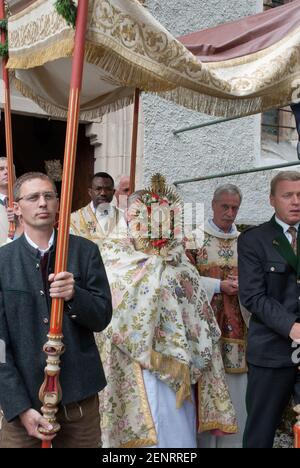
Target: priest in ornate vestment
x=213 y=250
x=100 y=218
x=163 y=338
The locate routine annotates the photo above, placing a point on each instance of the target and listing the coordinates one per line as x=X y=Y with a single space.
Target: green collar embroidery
x=282 y=245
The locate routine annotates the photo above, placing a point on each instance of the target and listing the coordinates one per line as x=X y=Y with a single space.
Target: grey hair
x=30 y=176
x=227 y=188
x=4 y=158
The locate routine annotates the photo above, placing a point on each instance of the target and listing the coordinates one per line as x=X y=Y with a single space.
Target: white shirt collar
x=2 y=196
x=285 y=226
x=219 y=229
x=50 y=243
x=104 y=209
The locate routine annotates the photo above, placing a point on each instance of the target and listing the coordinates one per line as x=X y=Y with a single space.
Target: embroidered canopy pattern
x=127 y=48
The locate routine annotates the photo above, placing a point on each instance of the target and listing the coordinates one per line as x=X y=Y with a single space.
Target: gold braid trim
x=61 y=112
x=137 y=75
x=278 y=96
x=229 y=429
x=125 y=68
x=39 y=56
x=167 y=365
x=214 y=424
x=233 y=341
x=233 y=370
x=164 y=365
x=124 y=71
x=139 y=443
x=230 y=370
x=152 y=436
x=46 y=106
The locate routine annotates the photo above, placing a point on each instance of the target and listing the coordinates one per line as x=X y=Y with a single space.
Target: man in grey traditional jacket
x=27 y=286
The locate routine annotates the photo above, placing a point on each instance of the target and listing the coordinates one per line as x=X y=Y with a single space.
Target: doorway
x=36 y=141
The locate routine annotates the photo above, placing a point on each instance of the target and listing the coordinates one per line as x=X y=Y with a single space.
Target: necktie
x=293 y=231
x=44 y=270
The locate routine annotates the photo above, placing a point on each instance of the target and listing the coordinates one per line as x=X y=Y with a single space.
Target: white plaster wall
x=112 y=138
x=225 y=147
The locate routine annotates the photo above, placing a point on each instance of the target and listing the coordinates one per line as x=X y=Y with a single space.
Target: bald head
x=122 y=186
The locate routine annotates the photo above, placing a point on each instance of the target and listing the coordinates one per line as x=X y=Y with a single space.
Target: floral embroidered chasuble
x=162 y=321
x=85 y=224
x=215 y=256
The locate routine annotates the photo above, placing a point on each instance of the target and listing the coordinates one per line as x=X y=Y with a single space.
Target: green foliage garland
x=3 y=47
x=68 y=10
x=3 y=24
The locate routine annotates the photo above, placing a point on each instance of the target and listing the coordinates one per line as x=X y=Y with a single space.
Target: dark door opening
x=37 y=140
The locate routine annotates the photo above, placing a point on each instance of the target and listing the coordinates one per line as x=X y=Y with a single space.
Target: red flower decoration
x=159 y=243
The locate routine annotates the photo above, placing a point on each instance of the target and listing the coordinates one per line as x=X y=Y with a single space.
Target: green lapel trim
x=282 y=245
x=298 y=253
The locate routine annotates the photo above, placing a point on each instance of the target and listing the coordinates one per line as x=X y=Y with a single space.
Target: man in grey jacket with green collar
x=27 y=285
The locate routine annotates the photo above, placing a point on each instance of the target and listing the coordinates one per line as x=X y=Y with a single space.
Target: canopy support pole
x=134 y=140
x=50 y=392
x=7 y=122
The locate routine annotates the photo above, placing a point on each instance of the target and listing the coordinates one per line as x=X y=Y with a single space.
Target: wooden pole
x=134 y=140
x=7 y=122
x=50 y=392
x=297 y=427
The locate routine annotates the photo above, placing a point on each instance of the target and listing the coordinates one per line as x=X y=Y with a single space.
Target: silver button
x=37 y=266
x=45 y=320
x=272 y=268
x=42 y=293
x=73 y=316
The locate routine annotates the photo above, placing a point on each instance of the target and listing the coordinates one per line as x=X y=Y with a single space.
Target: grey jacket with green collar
x=24 y=323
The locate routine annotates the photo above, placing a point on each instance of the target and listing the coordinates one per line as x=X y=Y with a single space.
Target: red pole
x=297 y=435
x=134 y=140
x=50 y=392
x=297 y=426
x=7 y=120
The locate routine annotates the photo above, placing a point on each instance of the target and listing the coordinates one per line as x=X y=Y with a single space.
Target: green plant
x=68 y=10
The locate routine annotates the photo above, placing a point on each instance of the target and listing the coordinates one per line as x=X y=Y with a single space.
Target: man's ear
x=90 y=192
x=271 y=200
x=16 y=209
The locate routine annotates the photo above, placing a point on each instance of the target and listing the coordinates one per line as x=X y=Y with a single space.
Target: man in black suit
x=27 y=285
x=269 y=283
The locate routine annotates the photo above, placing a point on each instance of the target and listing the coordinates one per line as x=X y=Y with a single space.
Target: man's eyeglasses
x=34 y=197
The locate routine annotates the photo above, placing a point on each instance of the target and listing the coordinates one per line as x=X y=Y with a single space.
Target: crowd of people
x=173 y=339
